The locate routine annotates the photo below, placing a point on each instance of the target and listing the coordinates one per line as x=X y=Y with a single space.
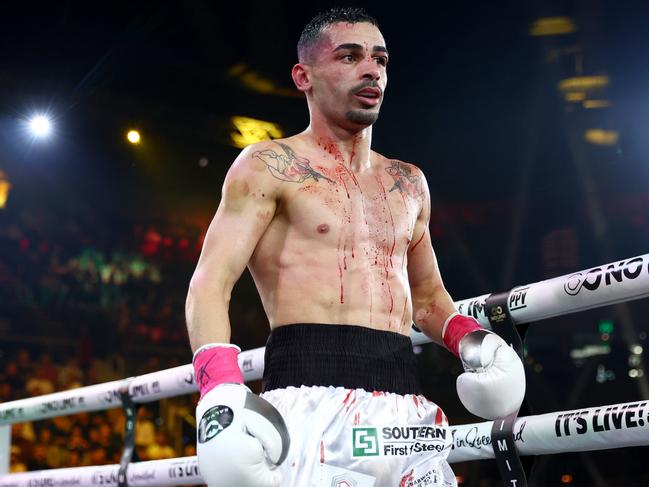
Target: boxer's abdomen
x=330 y=258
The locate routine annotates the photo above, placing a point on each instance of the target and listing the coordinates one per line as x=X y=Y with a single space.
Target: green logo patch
x=214 y=421
x=365 y=442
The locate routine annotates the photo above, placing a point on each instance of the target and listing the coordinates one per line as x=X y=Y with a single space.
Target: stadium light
x=133 y=136
x=40 y=126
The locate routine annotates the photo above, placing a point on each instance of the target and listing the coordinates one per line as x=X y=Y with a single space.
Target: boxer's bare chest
x=324 y=201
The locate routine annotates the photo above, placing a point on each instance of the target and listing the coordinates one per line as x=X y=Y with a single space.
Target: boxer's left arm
x=431 y=303
x=494 y=382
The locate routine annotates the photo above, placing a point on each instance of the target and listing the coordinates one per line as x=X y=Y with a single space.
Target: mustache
x=365 y=84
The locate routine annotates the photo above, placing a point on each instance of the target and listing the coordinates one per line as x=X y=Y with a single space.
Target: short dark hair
x=314 y=29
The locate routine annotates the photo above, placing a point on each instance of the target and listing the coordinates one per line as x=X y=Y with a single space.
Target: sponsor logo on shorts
x=365 y=442
x=402 y=440
x=214 y=420
x=329 y=476
x=342 y=481
x=429 y=478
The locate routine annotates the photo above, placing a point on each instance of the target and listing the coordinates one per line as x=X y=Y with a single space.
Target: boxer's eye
x=382 y=60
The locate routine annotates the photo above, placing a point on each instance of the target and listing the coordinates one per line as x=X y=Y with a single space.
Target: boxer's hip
x=372 y=439
x=351 y=401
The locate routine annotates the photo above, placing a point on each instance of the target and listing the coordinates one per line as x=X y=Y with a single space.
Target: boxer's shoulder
x=283 y=160
x=407 y=178
x=394 y=165
x=247 y=183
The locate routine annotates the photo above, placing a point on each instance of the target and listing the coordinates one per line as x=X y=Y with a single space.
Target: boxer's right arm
x=248 y=202
x=241 y=438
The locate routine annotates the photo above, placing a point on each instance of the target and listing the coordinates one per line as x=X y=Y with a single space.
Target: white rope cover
x=597 y=428
x=603 y=427
x=617 y=282
x=176 y=471
x=620 y=281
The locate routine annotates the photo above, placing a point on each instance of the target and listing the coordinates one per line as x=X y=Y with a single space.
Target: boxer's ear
x=301 y=74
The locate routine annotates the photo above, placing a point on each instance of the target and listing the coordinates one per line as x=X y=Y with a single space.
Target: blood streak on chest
x=387 y=254
x=341 y=178
x=387 y=205
x=340 y=269
x=345 y=178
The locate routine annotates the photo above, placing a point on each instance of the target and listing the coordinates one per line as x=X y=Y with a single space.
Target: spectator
x=13 y=377
x=61 y=427
x=6 y=392
x=53 y=453
x=16 y=463
x=74 y=459
x=109 y=441
x=22 y=434
x=38 y=460
x=161 y=448
x=36 y=386
x=117 y=420
x=70 y=375
x=45 y=369
x=144 y=432
x=97 y=455
x=25 y=365
x=86 y=351
x=77 y=441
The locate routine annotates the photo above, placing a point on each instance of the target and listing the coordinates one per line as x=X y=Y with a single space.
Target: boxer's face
x=348 y=73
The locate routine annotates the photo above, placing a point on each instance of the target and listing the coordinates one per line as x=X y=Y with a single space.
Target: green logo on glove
x=365 y=442
x=214 y=421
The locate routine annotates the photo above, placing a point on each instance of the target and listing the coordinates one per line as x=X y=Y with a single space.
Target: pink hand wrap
x=216 y=365
x=455 y=328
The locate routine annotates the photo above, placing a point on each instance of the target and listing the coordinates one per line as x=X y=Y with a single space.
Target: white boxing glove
x=493 y=385
x=241 y=438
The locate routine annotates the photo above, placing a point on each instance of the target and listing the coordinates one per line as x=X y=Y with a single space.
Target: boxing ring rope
x=602 y=427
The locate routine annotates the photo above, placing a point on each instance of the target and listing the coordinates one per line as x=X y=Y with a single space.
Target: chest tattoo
x=404 y=180
x=287 y=166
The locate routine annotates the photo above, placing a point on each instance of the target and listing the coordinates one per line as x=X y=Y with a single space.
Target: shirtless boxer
x=336 y=238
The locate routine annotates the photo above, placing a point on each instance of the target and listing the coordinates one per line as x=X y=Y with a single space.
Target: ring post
x=5 y=448
x=502 y=441
x=129 y=433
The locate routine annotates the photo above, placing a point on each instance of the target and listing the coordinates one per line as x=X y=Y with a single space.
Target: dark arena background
x=119 y=120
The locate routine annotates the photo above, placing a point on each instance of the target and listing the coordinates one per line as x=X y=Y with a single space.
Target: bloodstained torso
x=336 y=249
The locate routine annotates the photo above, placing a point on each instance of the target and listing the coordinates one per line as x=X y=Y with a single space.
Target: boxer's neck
x=352 y=149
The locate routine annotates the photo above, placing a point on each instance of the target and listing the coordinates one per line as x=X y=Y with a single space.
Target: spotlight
x=133 y=136
x=40 y=126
